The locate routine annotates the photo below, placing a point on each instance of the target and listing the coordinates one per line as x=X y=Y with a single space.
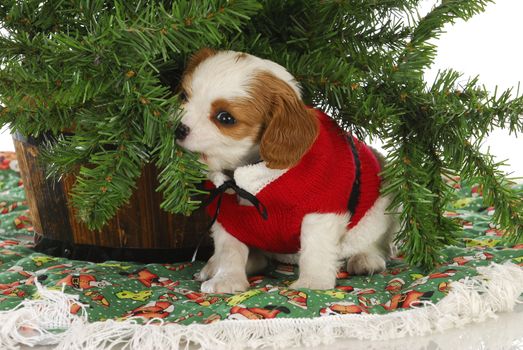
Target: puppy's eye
x=225 y=118
x=183 y=96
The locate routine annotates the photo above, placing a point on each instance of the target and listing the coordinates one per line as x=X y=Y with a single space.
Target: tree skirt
x=82 y=305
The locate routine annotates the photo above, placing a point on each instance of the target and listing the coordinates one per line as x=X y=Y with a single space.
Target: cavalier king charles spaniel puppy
x=293 y=186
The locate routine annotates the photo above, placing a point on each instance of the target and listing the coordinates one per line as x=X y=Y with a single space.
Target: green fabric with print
x=121 y=290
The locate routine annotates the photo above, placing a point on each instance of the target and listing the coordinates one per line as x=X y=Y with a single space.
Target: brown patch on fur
x=241 y=56
x=289 y=127
x=194 y=61
x=248 y=119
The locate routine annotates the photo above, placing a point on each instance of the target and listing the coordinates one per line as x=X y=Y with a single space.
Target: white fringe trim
x=496 y=289
x=40 y=321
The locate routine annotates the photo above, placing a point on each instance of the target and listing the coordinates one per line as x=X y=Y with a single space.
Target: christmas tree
x=108 y=70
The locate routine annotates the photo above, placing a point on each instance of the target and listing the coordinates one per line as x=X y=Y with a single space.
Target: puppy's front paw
x=313 y=283
x=225 y=284
x=207 y=272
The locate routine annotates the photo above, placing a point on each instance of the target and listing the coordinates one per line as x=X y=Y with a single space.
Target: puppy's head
x=238 y=108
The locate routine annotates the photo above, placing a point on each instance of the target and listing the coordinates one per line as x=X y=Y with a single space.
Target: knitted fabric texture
x=320 y=183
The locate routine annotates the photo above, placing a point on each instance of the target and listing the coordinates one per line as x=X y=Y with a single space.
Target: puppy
x=319 y=186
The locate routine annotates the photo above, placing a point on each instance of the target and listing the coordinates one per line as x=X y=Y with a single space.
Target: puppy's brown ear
x=291 y=128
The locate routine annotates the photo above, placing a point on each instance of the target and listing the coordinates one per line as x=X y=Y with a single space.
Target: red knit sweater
x=320 y=183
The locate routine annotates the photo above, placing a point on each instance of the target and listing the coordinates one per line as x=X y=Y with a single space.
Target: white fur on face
x=223 y=76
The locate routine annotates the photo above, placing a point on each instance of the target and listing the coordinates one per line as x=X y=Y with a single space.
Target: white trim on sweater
x=255 y=177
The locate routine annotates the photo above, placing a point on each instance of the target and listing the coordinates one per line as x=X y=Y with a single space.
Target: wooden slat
x=45 y=197
x=140 y=224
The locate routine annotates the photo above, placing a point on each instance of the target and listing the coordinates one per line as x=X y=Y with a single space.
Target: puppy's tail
x=380 y=157
x=389 y=245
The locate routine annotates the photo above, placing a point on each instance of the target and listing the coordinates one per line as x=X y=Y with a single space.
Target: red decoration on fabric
x=320 y=183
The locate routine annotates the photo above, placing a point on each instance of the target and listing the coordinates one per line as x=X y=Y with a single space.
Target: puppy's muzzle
x=182 y=131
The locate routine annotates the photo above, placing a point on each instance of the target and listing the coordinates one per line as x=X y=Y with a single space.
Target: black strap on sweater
x=218 y=193
x=355 y=192
x=231 y=184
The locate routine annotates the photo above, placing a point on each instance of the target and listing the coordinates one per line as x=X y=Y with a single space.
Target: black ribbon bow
x=218 y=193
x=231 y=184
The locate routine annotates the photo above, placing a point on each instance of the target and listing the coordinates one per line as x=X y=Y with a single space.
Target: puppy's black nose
x=182 y=131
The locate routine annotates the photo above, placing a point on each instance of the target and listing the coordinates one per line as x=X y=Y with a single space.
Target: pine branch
x=181 y=173
x=66 y=153
x=470 y=106
x=414 y=179
x=106 y=184
x=420 y=53
x=498 y=190
x=82 y=68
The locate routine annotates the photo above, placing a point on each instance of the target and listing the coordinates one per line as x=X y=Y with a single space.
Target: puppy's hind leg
x=367 y=262
x=373 y=258
x=319 y=254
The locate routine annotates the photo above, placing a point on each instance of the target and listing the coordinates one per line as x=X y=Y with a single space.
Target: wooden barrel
x=140 y=231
